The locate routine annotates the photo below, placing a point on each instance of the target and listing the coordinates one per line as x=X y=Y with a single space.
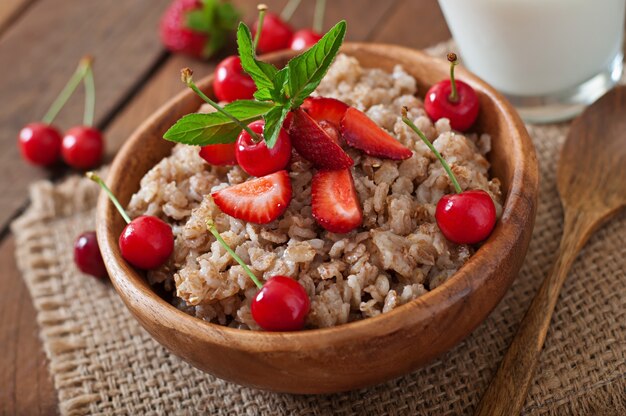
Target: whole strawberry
x=197 y=27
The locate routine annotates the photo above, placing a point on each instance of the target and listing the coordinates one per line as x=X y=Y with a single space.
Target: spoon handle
x=506 y=394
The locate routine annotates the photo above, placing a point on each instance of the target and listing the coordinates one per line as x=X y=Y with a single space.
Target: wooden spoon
x=591 y=179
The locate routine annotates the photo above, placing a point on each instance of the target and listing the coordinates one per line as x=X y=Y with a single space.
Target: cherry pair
x=81 y=147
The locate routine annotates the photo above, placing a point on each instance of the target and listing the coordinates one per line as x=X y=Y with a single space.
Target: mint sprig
x=215 y=19
x=214 y=128
x=278 y=92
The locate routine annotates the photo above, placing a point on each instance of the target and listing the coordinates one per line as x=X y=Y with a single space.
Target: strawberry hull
x=315 y=145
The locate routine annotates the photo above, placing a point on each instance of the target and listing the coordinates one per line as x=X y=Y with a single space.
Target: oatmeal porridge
x=395 y=256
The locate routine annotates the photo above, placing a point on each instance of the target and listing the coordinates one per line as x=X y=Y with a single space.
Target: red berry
x=462 y=113
x=219 y=154
x=146 y=242
x=281 y=305
x=87 y=255
x=259 y=200
x=314 y=144
x=82 y=147
x=334 y=202
x=231 y=82
x=325 y=109
x=175 y=34
x=40 y=144
x=359 y=131
x=304 y=39
x=256 y=158
x=275 y=34
x=467 y=217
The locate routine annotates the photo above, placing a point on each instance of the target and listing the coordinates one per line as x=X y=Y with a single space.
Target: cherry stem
x=318 y=16
x=68 y=90
x=422 y=136
x=262 y=8
x=97 y=179
x=211 y=226
x=90 y=98
x=454 y=95
x=289 y=10
x=186 y=76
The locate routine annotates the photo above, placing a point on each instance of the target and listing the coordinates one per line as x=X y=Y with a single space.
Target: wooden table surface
x=41 y=42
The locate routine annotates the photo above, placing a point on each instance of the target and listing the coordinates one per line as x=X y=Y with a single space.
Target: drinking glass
x=550 y=58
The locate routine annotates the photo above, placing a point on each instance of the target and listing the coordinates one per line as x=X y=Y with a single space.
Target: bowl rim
x=523 y=186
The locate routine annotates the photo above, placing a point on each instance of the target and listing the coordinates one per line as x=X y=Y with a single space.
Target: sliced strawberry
x=314 y=144
x=260 y=200
x=323 y=108
x=359 y=131
x=334 y=201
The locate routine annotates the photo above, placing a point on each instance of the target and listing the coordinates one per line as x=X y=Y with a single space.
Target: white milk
x=536 y=47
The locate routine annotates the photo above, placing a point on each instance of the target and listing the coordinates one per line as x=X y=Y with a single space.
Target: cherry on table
x=275 y=34
x=231 y=82
x=219 y=154
x=255 y=157
x=452 y=99
x=40 y=144
x=304 y=39
x=147 y=241
x=83 y=147
x=87 y=255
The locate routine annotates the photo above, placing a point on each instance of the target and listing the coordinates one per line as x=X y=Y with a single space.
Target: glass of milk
x=551 y=58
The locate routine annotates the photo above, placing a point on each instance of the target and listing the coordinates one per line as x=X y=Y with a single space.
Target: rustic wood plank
x=10 y=9
x=44 y=47
x=416 y=24
x=25 y=385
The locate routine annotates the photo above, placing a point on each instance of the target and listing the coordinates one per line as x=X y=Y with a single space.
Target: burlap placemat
x=103 y=362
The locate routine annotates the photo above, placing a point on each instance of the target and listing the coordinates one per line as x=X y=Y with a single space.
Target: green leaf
x=215 y=19
x=213 y=128
x=273 y=122
x=196 y=20
x=307 y=70
x=261 y=72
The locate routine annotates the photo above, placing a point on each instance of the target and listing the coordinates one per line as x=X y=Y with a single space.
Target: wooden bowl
x=360 y=353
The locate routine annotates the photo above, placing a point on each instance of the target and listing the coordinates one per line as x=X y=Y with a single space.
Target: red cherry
x=275 y=34
x=467 y=217
x=40 y=144
x=87 y=255
x=462 y=114
x=231 y=82
x=281 y=305
x=256 y=158
x=460 y=106
x=83 y=147
x=146 y=242
x=219 y=154
x=304 y=39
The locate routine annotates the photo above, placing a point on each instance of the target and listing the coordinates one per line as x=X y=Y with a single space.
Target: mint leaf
x=261 y=72
x=273 y=123
x=213 y=128
x=307 y=70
